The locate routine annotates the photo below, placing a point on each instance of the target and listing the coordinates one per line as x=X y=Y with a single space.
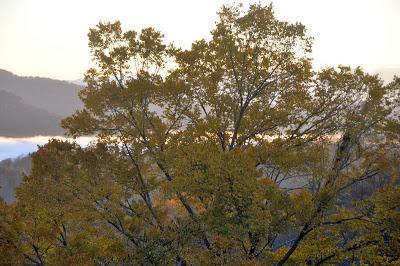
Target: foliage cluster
x=234 y=152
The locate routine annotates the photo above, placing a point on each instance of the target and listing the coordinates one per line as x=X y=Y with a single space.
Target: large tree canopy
x=234 y=152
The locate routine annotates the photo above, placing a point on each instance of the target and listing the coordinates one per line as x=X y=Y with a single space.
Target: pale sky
x=48 y=38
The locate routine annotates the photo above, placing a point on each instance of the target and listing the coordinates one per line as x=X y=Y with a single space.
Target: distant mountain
x=79 y=82
x=20 y=119
x=54 y=96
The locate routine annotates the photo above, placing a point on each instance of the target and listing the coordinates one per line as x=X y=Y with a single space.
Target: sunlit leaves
x=234 y=152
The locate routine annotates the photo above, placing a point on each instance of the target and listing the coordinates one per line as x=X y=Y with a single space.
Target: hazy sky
x=48 y=37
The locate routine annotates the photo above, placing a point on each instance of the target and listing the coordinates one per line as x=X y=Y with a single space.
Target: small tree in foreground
x=232 y=152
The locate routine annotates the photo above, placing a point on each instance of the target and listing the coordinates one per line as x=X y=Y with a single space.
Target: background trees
x=232 y=152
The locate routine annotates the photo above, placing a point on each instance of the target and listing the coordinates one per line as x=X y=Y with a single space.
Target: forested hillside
x=11 y=173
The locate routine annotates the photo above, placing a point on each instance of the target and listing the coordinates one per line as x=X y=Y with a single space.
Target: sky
x=48 y=38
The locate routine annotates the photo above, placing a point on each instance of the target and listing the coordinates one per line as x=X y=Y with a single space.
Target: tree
x=232 y=152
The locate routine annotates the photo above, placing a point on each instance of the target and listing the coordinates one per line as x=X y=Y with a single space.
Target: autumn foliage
x=234 y=152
